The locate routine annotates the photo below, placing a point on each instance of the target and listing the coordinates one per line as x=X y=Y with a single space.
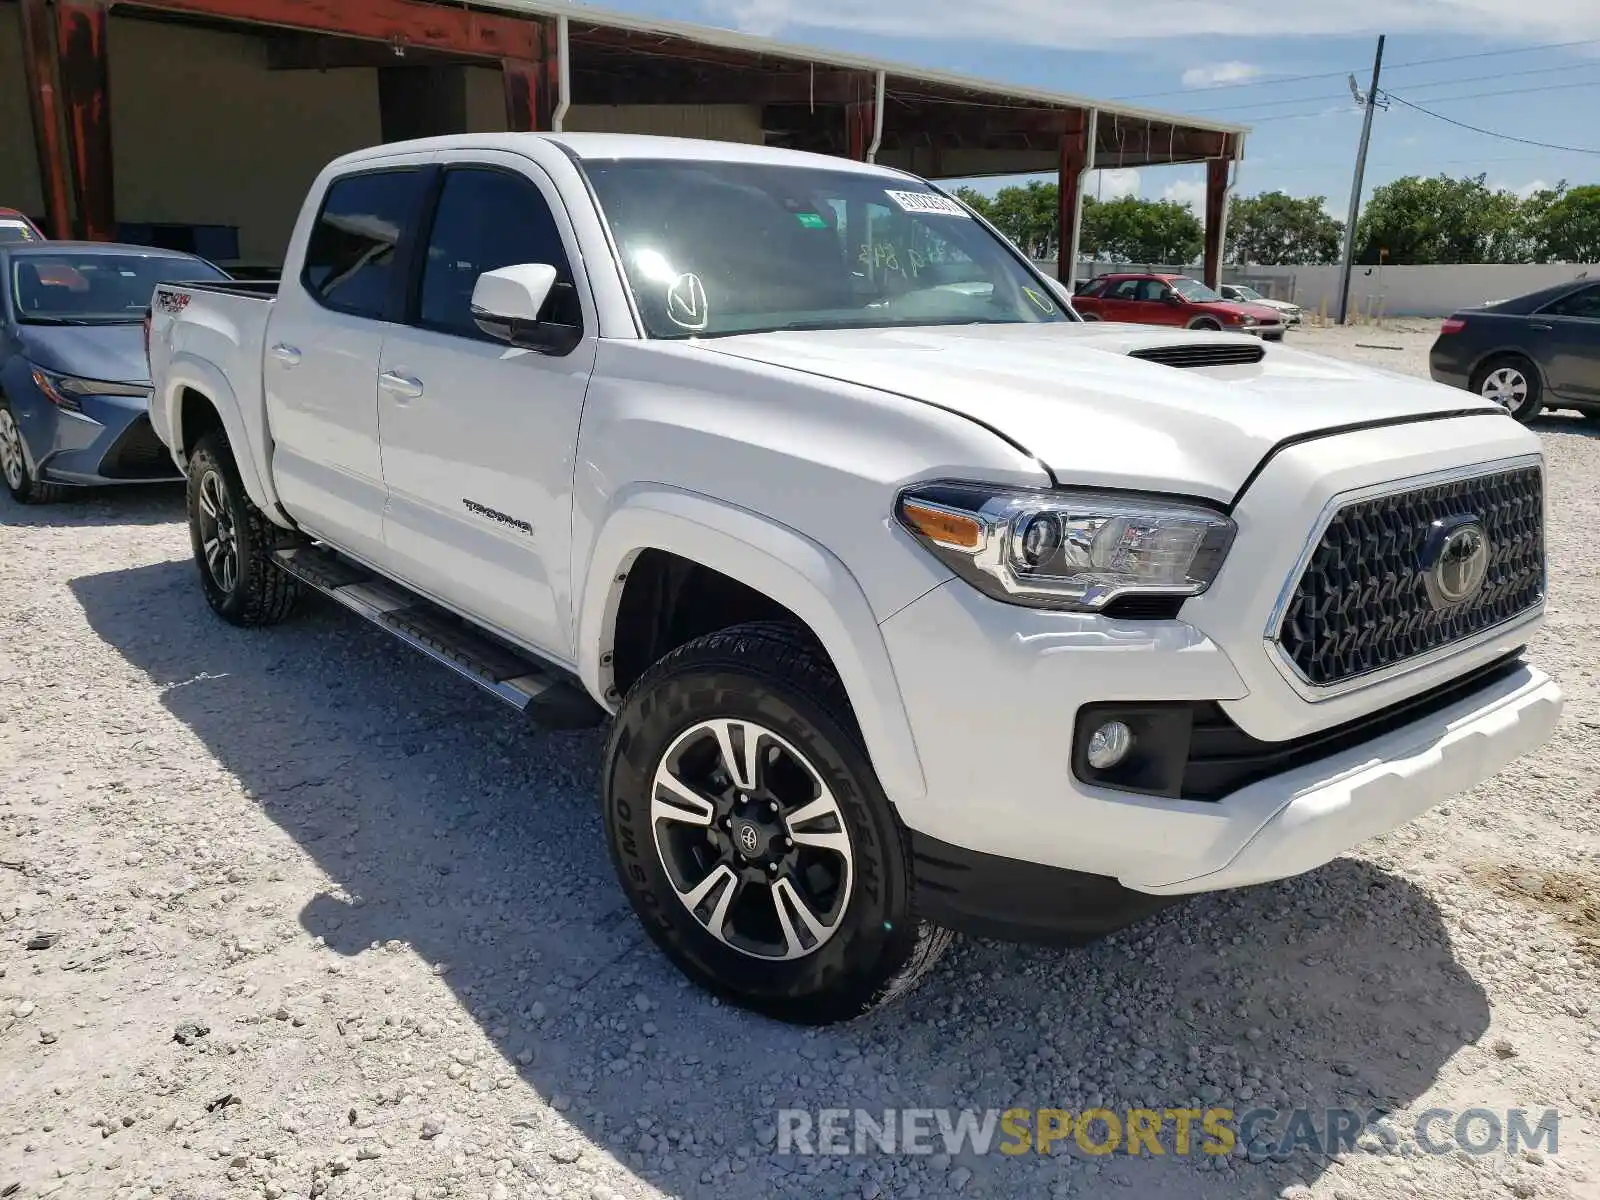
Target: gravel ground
x=310 y=916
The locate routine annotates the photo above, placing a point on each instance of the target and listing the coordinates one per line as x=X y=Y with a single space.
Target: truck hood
x=1070 y=395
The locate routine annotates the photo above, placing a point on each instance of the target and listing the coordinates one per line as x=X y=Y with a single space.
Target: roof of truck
x=603 y=147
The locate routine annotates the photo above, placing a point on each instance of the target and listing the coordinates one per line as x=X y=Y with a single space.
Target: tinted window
x=1585 y=302
x=1151 y=289
x=350 y=261
x=62 y=288
x=1125 y=289
x=721 y=248
x=486 y=220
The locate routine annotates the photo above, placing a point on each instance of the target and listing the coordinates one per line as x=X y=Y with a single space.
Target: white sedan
x=1292 y=313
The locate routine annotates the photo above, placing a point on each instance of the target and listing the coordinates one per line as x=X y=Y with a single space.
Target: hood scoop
x=1213 y=354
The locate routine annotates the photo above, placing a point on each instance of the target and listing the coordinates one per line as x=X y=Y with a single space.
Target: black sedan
x=1535 y=352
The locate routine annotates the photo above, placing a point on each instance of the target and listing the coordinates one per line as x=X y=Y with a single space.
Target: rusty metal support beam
x=85 y=97
x=1217 y=182
x=532 y=83
x=44 y=105
x=396 y=22
x=1073 y=157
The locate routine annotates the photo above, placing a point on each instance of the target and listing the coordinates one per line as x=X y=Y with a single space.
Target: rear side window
x=350 y=261
x=488 y=219
x=1585 y=302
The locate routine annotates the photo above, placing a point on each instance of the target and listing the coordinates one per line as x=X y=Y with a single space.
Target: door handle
x=397 y=384
x=287 y=355
x=1540 y=325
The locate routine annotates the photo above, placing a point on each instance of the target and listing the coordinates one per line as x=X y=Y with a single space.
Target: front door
x=1572 y=344
x=320 y=365
x=479 y=436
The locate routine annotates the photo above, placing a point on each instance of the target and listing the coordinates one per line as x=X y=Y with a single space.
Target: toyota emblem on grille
x=1455 y=561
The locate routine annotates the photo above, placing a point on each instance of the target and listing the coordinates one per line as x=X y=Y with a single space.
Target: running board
x=546 y=693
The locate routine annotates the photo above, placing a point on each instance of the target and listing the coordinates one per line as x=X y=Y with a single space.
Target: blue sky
x=1193 y=56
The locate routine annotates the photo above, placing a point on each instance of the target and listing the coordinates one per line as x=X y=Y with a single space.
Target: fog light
x=1109 y=745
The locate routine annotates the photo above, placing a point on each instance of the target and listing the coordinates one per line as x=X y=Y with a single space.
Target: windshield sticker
x=1042 y=302
x=811 y=220
x=927 y=202
x=686 y=303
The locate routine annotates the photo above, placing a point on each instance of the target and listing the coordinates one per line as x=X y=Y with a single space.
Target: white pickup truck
x=914 y=602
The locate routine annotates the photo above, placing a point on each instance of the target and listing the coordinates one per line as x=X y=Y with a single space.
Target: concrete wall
x=1398 y=292
x=202 y=132
x=19 y=167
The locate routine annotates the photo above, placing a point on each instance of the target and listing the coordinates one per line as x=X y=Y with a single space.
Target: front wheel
x=25 y=487
x=233 y=542
x=751 y=835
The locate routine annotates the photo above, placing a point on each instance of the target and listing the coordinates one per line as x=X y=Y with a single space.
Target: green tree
x=1275 y=229
x=1422 y=221
x=1566 y=224
x=1132 y=230
x=977 y=201
x=1028 y=216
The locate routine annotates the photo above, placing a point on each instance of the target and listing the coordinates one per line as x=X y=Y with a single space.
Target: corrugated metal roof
x=731 y=40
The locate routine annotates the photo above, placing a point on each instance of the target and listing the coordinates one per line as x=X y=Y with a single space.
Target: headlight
x=1248 y=321
x=63 y=390
x=1069 y=550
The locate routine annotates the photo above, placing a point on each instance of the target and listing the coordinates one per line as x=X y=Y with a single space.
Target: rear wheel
x=233 y=541
x=1513 y=383
x=751 y=835
x=24 y=486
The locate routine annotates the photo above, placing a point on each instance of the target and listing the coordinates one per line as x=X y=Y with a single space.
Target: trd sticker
x=928 y=203
x=484 y=510
x=172 y=302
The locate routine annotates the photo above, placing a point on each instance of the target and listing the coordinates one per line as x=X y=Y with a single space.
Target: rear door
x=479 y=436
x=1571 y=344
x=1117 y=302
x=320 y=369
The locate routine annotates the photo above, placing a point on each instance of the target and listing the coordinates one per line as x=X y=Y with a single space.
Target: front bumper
x=993 y=694
x=109 y=442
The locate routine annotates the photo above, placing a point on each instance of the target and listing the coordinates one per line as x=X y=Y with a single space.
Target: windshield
x=14 y=230
x=1193 y=290
x=95 y=288
x=723 y=248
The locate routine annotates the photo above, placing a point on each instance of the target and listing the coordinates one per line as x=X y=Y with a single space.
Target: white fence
x=1390 y=291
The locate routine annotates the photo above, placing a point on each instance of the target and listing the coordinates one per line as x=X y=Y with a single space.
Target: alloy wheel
x=1507 y=387
x=11 y=460
x=219 y=532
x=751 y=839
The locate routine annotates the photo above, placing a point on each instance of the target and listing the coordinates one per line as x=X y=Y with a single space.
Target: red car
x=1172 y=300
x=15 y=227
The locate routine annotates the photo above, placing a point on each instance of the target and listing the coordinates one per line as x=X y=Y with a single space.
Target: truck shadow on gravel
x=474 y=840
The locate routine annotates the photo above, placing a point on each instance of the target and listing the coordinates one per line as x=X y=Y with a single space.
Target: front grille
x=1362 y=603
x=1203 y=355
x=138 y=454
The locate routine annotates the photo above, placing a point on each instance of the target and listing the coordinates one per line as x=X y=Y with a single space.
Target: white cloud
x=1114 y=184
x=1081 y=25
x=1212 y=74
x=1526 y=189
x=1187 y=191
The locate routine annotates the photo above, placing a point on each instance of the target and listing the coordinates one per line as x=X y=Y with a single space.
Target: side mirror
x=506 y=304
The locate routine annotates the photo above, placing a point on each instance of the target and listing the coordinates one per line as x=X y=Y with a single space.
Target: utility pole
x=1371 y=102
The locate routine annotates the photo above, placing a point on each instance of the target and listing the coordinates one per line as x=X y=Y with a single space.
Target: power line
x=1553 y=87
x=1417 y=62
x=1489 y=132
x=1324 y=99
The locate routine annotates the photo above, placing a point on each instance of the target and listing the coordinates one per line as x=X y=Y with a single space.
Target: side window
x=1585 y=302
x=487 y=219
x=350 y=259
x=1151 y=289
x=1127 y=289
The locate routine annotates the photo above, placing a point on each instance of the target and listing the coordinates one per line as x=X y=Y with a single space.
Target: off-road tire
x=262 y=594
x=31 y=489
x=774 y=674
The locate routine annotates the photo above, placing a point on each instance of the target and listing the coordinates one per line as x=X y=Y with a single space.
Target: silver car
x=74 y=379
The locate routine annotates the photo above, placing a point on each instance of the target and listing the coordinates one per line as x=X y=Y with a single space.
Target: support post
x=1072 y=161
x=1219 y=187
x=532 y=85
x=1369 y=102
x=85 y=96
x=44 y=105
x=858 y=128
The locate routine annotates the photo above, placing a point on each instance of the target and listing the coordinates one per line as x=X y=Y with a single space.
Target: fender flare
x=187 y=372
x=782 y=564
